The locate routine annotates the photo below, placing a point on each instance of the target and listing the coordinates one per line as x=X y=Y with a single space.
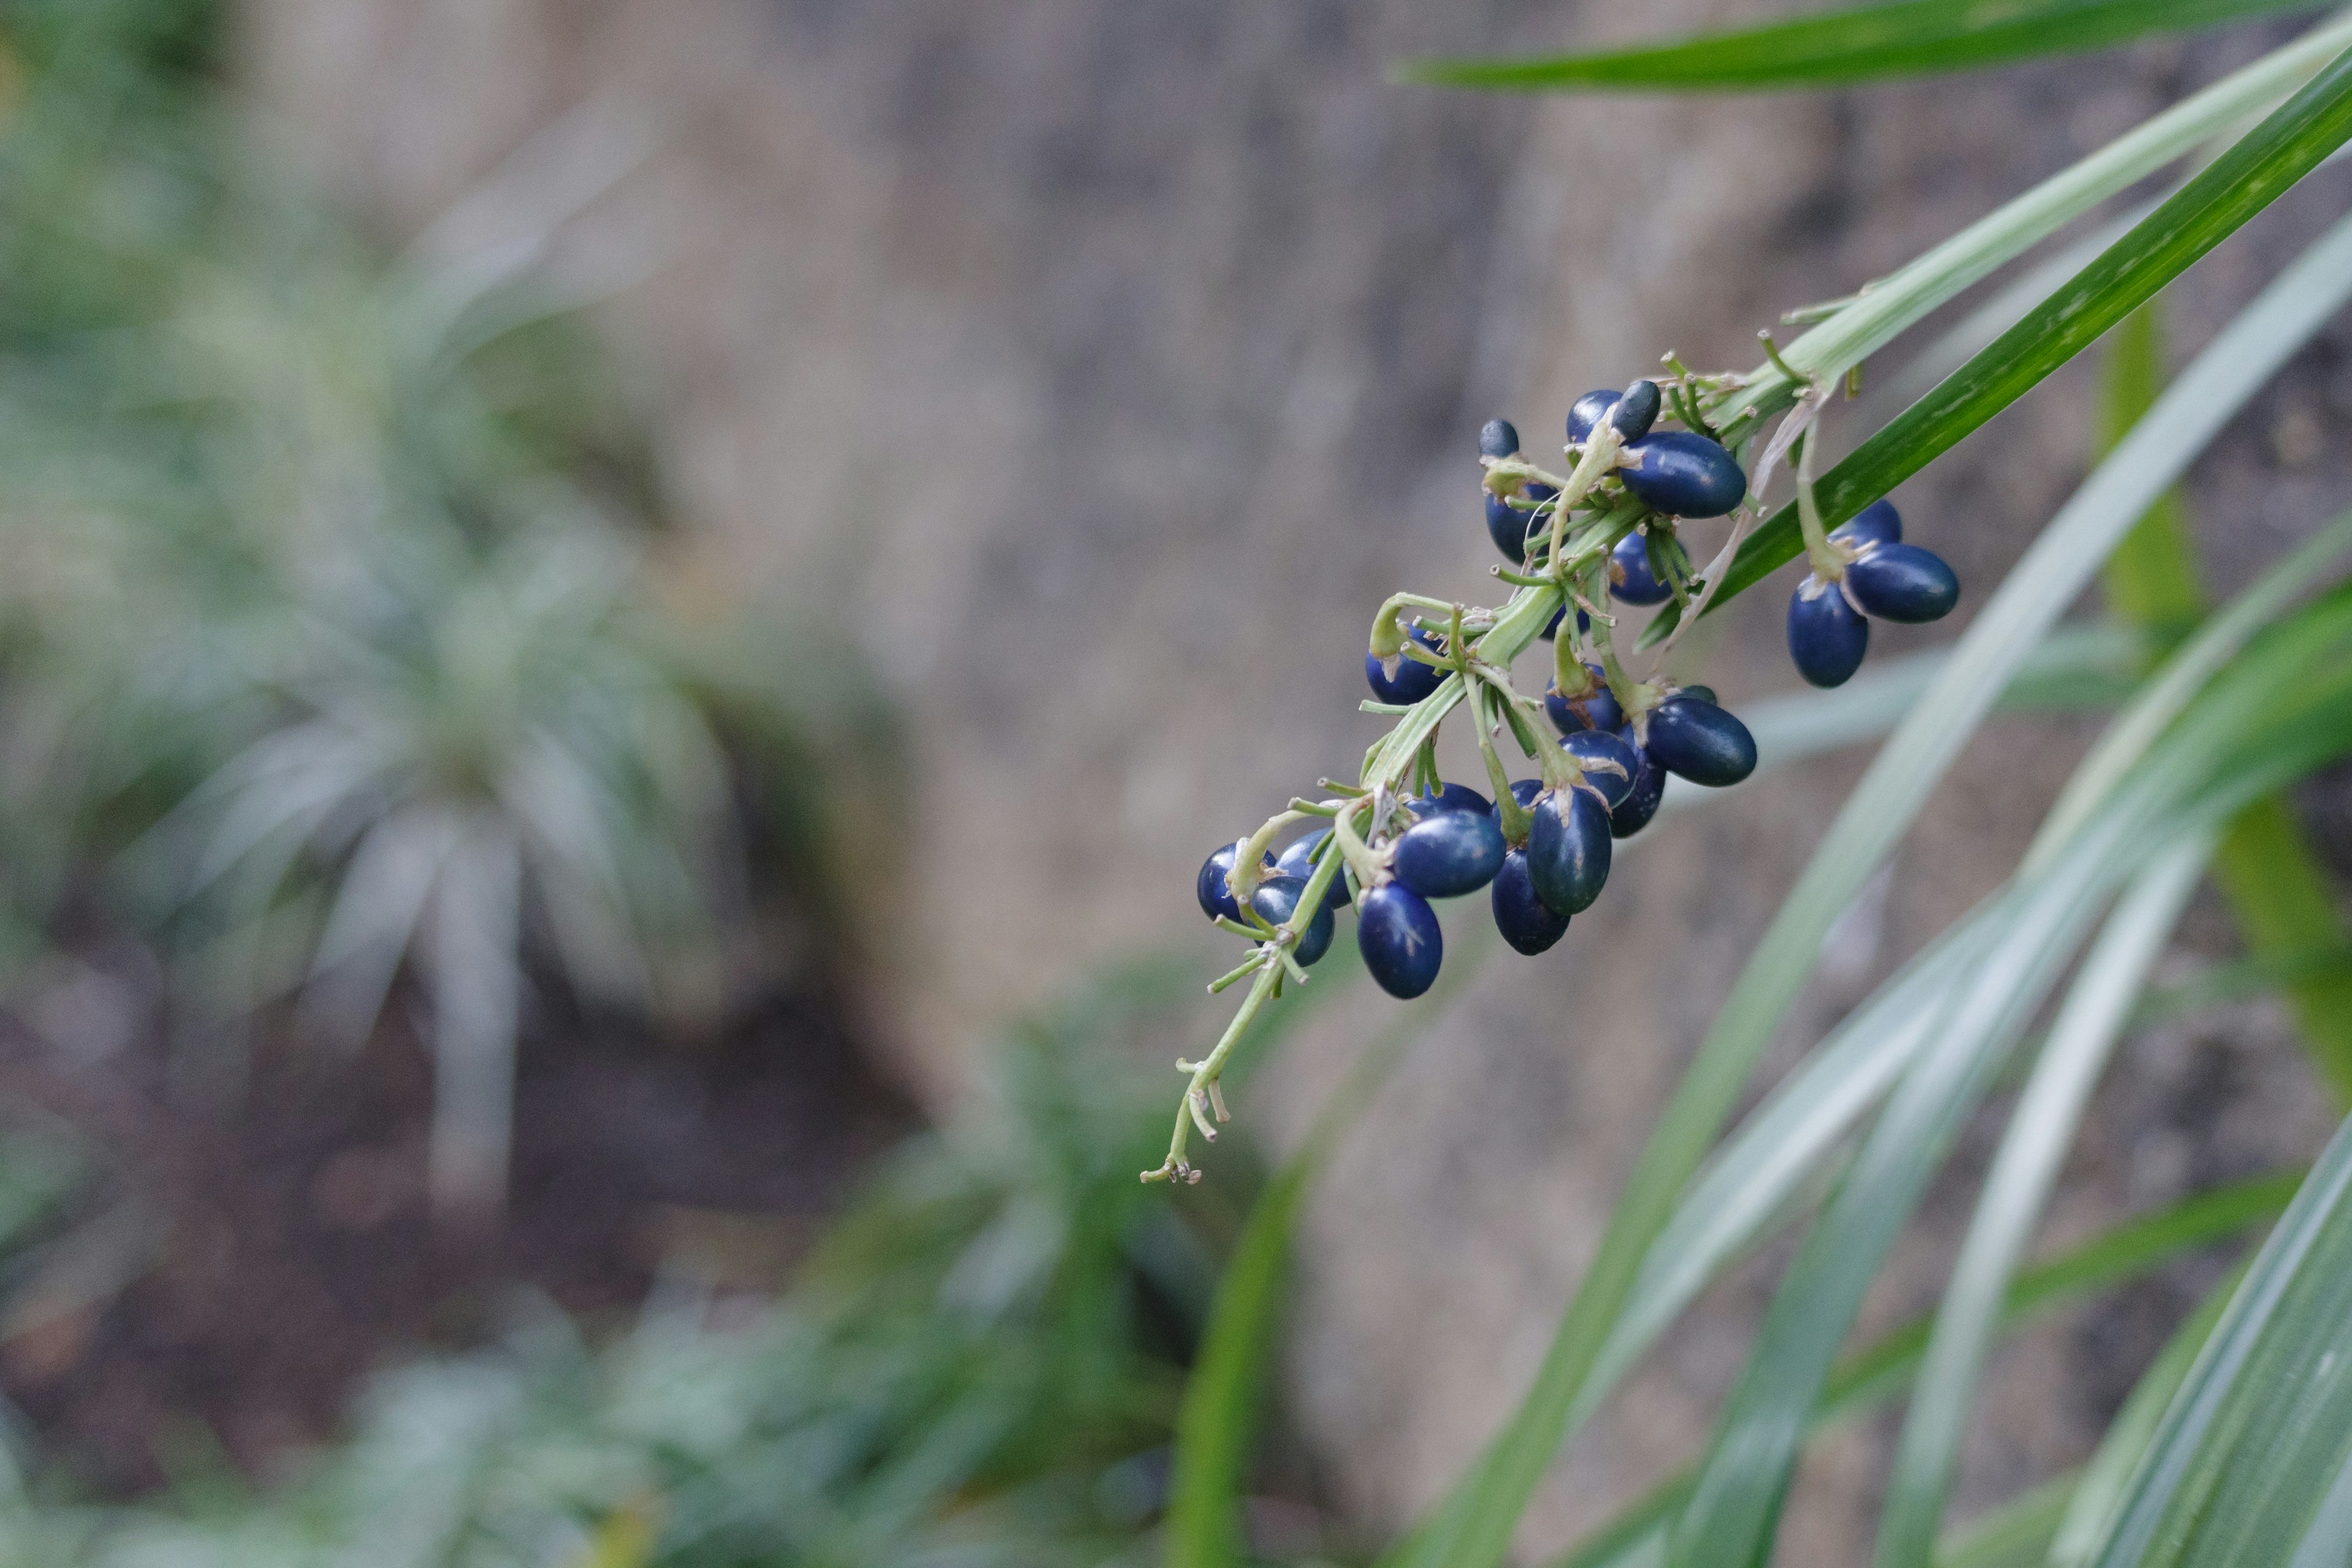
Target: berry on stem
x=1449 y=853
x=1499 y=439
x=1609 y=765
x=1594 y=709
x=1633 y=813
x=1397 y=933
x=1276 y=898
x=1701 y=741
x=1210 y=887
x=1451 y=798
x=1410 y=680
x=1511 y=528
x=1630 y=577
x=1827 y=637
x=1568 y=850
x=1903 y=583
x=1877 y=523
x=1637 y=409
x=1527 y=923
x=1298 y=861
x=1682 y=475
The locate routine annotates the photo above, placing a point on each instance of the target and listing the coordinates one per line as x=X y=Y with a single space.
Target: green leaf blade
x=1909 y=37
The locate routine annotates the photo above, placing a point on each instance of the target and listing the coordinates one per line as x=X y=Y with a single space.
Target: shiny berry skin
x=1527 y=923
x=1411 y=680
x=1827 y=637
x=1640 y=587
x=1509 y=526
x=1610 y=765
x=1397 y=933
x=1448 y=854
x=1568 y=850
x=1498 y=438
x=1700 y=741
x=1877 y=523
x=1683 y=474
x=1275 y=901
x=1449 y=797
x=1633 y=813
x=1216 y=897
x=1637 y=409
x=1298 y=861
x=1596 y=710
x=1903 y=583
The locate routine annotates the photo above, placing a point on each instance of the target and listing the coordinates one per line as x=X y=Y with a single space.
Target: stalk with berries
x=1583 y=548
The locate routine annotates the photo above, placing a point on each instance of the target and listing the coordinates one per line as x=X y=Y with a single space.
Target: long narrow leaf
x=2257 y=1438
x=1475 y=1523
x=1869 y=1378
x=2015 y=1193
x=1911 y=38
x=2269 y=159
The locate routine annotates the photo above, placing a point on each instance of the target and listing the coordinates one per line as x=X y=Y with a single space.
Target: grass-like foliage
x=332 y=642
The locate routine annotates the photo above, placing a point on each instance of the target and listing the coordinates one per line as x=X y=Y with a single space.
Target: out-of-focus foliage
x=330 y=623
x=978 y=1367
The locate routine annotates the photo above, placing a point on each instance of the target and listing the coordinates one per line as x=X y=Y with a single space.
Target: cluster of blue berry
x=1605 y=535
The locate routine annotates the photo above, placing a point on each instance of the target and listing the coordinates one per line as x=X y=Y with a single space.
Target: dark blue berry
x=1397 y=933
x=1637 y=410
x=1683 y=474
x=1641 y=586
x=1903 y=583
x=1568 y=850
x=1510 y=527
x=1210 y=887
x=1609 y=765
x=1498 y=438
x=1633 y=813
x=1700 y=694
x=1527 y=923
x=1827 y=637
x=1450 y=797
x=1411 y=680
x=1275 y=901
x=1449 y=854
x=1701 y=741
x=1593 y=710
x=1877 y=523
x=1524 y=790
x=1583 y=622
x=1588 y=411
x=1299 y=860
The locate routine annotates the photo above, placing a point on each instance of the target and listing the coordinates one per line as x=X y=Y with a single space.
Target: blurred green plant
x=318 y=645
x=978 y=1366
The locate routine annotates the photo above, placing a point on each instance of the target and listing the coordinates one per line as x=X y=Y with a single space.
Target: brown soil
x=248 y=1264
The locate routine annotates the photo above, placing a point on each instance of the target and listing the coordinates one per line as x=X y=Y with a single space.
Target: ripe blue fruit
x=1275 y=901
x=1448 y=854
x=1527 y=923
x=1683 y=474
x=1411 y=680
x=1498 y=438
x=1510 y=527
x=1701 y=741
x=1637 y=410
x=1611 y=765
x=1208 y=887
x=1397 y=933
x=1903 y=583
x=1568 y=850
x=1633 y=813
x=1827 y=637
x=1877 y=523
x=1449 y=797
x=1640 y=587
x=1298 y=861
x=1595 y=709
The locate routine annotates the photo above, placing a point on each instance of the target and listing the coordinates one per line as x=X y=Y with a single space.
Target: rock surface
x=1096 y=368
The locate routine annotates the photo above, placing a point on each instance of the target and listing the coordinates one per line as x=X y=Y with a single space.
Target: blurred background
x=622 y=623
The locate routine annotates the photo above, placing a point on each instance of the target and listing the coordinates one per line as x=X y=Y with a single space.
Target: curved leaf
x=1911 y=38
x=2289 y=143
x=2016 y=1191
